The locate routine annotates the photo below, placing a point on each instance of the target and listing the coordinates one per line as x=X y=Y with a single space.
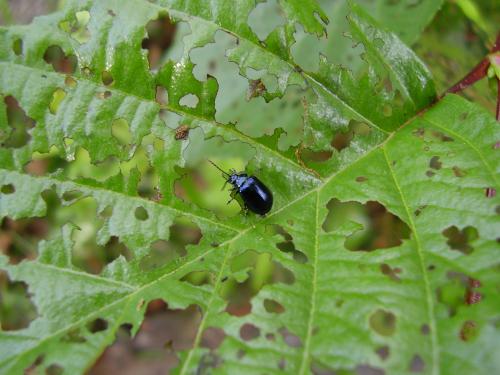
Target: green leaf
x=406 y=18
x=101 y=155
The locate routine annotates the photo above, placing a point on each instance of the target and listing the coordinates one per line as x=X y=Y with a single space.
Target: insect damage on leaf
x=116 y=238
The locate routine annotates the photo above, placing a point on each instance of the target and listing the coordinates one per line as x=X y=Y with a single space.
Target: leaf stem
x=477 y=73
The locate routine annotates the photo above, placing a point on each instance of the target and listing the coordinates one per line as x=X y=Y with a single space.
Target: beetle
x=255 y=195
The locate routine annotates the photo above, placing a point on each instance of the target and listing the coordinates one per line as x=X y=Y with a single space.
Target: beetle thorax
x=237 y=180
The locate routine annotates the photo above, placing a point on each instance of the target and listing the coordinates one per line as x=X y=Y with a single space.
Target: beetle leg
x=224 y=186
x=233 y=195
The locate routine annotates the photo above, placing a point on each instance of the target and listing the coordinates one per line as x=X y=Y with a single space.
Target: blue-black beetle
x=255 y=195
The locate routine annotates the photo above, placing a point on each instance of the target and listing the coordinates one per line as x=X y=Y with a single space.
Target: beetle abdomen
x=257 y=197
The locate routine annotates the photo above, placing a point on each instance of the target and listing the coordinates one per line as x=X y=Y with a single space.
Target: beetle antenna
x=219 y=168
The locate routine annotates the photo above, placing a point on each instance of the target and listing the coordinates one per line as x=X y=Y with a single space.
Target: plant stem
x=477 y=73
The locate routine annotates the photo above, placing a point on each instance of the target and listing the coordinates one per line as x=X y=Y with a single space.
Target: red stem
x=477 y=73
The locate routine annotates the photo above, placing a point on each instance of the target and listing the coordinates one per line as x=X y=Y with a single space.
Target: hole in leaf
x=163 y=332
x=17 y=47
x=148 y=186
x=141 y=213
x=368 y=370
x=251 y=272
x=182 y=233
x=57 y=97
x=46 y=163
x=383 y=352
x=198 y=278
x=435 y=163
x=34 y=367
x=88 y=252
x=273 y=306
x=97 y=325
x=54 y=369
x=249 y=332
x=342 y=140
x=121 y=131
x=308 y=156
x=104 y=95
x=209 y=361
x=265 y=17
x=318 y=368
x=189 y=100
x=381 y=229
x=72 y=195
x=8 y=189
x=107 y=78
x=19 y=238
x=92 y=257
x=161 y=95
x=282 y=364
x=61 y=63
x=290 y=339
x=383 y=322
x=212 y=338
x=16 y=310
x=161 y=34
x=86 y=71
x=288 y=245
x=425 y=329
x=461 y=239
x=77 y=26
x=70 y=81
x=19 y=122
x=417 y=364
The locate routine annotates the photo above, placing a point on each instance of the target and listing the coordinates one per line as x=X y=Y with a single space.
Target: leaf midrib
x=431 y=316
x=312 y=312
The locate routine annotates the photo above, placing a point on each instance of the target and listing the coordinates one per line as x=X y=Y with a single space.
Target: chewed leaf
x=115 y=236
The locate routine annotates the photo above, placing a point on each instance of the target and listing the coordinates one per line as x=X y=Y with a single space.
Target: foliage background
x=374 y=310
